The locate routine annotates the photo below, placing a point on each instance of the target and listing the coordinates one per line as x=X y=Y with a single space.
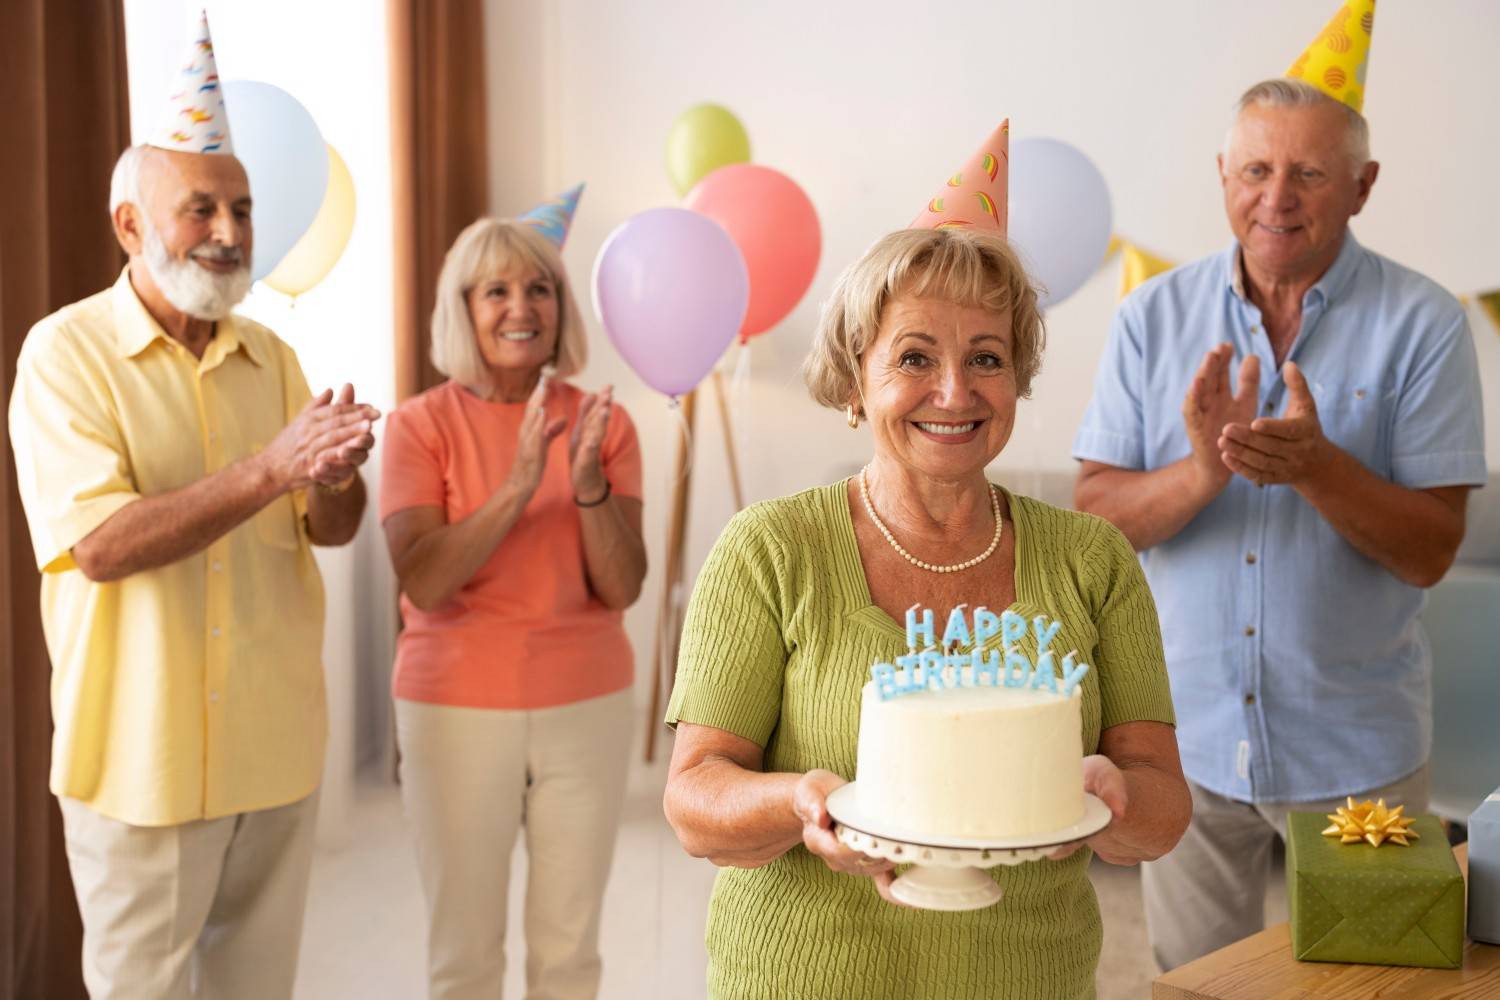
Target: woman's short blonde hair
x=964 y=266
x=483 y=250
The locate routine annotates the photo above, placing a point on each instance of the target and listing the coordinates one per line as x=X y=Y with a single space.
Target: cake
x=973 y=746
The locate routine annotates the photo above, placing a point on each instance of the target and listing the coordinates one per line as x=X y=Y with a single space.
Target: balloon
x=775 y=226
x=703 y=139
x=1059 y=215
x=670 y=287
x=287 y=160
x=320 y=247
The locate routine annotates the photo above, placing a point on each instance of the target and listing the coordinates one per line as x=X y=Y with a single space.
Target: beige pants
x=211 y=908
x=470 y=779
x=1210 y=890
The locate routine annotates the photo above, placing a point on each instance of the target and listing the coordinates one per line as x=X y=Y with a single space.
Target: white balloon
x=287 y=163
x=1060 y=215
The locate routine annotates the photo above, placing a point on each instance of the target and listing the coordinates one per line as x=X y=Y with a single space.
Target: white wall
x=332 y=58
x=870 y=105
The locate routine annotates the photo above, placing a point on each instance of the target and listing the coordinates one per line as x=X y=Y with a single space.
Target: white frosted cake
x=972 y=762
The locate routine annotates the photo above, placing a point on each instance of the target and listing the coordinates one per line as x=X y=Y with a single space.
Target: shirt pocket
x=276 y=524
x=1356 y=416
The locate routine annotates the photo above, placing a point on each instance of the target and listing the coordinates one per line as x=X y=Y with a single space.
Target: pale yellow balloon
x=313 y=256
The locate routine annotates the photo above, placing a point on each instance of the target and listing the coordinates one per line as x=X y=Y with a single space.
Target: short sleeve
x=620 y=454
x=72 y=466
x=1133 y=684
x=411 y=466
x=1438 y=434
x=1114 y=426
x=732 y=663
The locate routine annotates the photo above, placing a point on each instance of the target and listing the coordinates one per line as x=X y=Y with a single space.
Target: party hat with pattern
x=1337 y=59
x=555 y=215
x=977 y=195
x=195 y=120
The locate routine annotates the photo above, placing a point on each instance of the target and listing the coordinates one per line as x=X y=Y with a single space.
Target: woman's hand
x=585 y=442
x=810 y=803
x=537 y=433
x=1103 y=779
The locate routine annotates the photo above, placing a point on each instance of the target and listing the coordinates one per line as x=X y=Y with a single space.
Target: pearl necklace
x=864 y=494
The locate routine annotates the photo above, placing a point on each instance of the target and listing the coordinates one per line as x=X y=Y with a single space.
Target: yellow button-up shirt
x=193 y=690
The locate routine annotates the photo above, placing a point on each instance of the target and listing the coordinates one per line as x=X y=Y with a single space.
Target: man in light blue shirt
x=1288 y=524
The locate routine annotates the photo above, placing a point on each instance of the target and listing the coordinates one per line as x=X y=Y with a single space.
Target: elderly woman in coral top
x=511 y=507
x=931 y=337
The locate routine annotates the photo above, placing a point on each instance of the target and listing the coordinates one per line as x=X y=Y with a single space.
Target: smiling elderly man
x=174 y=472
x=1288 y=524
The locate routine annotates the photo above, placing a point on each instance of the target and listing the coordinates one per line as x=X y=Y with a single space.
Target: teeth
x=1280 y=230
x=947 y=428
x=518 y=334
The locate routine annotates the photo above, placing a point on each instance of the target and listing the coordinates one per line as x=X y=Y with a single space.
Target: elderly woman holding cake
x=931 y=337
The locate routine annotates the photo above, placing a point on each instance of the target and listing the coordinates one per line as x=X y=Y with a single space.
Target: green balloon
x=703 y=139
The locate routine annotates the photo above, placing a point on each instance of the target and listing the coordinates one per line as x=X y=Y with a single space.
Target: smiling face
x=1290 y=187
x=514 y=313
x=939 y=386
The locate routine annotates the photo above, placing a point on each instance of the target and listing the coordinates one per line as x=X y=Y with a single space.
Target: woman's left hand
x=1103 y=779
x=586 y=440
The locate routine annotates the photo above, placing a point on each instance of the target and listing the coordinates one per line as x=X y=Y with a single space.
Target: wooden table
x=1261 y=967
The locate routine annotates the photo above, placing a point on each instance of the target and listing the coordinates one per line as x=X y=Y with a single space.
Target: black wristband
x=593 y=503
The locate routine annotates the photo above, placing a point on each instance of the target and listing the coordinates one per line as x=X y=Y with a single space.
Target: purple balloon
x=671 y=288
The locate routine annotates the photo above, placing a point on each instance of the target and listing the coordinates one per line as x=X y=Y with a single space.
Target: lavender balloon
x=671 y=288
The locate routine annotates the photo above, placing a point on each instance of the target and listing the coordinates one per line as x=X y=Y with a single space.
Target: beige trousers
x=471 y=778
x=211 y=908
x=1210 y=890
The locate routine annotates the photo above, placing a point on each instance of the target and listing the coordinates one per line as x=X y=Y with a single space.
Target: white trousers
x=471 y=778
x=1210 y=890
x=211 y=908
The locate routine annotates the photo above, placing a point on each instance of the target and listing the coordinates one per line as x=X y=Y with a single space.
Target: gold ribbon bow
x=1371 y=822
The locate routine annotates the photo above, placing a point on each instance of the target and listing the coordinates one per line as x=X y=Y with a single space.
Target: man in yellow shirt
x=175 y=470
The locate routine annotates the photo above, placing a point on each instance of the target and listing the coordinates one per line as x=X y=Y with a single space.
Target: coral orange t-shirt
x=526 y=631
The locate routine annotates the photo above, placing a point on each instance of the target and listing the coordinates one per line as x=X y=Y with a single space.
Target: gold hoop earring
x=851 y=416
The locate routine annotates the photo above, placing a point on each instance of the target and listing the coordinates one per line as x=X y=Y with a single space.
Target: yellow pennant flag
x=1136 y=265
x=1491 y=302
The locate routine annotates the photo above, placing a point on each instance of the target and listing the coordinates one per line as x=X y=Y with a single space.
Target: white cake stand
x=948 y=873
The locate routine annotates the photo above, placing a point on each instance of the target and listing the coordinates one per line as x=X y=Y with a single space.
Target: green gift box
x=1386 y=905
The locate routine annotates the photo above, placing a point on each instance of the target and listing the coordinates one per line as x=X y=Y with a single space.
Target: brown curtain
x=63 y=121
x=439 y=159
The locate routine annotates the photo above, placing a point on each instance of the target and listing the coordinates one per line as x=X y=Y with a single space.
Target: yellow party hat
x=1337 y=59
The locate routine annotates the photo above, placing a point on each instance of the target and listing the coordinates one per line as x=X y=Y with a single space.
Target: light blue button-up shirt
x=1299 y=669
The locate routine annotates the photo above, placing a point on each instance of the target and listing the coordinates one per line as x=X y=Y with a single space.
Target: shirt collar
x=1327 y=288
x=136 y=329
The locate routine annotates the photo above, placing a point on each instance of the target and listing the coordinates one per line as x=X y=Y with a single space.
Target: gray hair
x=486 y=248
x=1288 y=92
x=125 y=182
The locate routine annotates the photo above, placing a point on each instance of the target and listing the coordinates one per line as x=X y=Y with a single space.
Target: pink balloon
x=670 y=287
x=776 y=228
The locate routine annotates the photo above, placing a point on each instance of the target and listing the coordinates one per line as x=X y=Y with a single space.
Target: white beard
x=191 y=289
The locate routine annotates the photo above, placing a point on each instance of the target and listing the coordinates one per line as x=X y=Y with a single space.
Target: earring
x=851 y=416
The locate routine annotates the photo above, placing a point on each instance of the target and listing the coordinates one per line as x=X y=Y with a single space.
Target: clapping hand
x=584 y=444
x=810 y=803
x=1209 y=406
x=325 y=443
x=537 y=433
x=1287 y=449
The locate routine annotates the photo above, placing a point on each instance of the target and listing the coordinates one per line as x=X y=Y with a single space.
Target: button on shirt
x=1299 y=668
x=193 y=690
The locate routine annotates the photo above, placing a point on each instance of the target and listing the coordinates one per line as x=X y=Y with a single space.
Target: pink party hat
x=555 y=216
x=195 y=120
x=976 y=196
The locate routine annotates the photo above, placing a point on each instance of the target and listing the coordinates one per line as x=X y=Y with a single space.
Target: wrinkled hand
x=1102 y=778
x=1209 y=406
x=537 y=433
x=324 y=443
x=585 y=441
x=1287 y=449
x=810 y=803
